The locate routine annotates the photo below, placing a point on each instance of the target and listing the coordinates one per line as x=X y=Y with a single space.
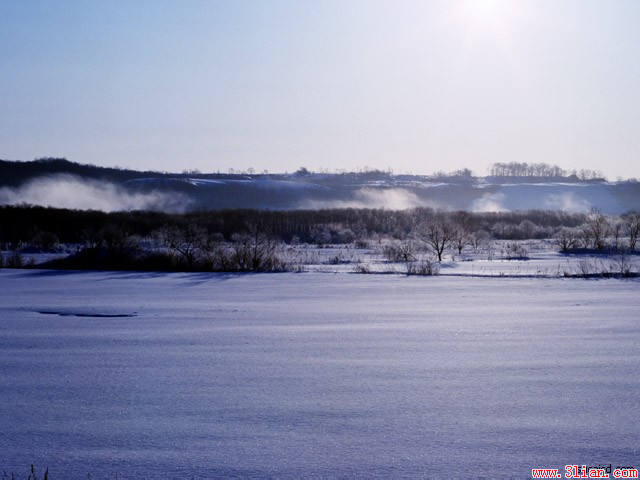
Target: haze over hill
x=61 y=183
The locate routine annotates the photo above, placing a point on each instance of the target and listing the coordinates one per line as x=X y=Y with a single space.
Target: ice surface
x=315 y=375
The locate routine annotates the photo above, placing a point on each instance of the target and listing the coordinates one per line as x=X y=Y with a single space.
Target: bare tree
x=461 y=225
x=115 y=238
x=256 y=251
x=598 y=228
x=500 y=229
x=184 y=242
x=527 y=229
x=617 y=232
x=460 y=238
x=632 y=224
x=566 y=238
x=478 y=239
x=584 y=236
x=400 y=252
x=437 y=233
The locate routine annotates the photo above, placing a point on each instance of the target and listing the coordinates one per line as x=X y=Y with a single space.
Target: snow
x=543 y=260
x=315 y=374
x=208 y=182
x=484 y=195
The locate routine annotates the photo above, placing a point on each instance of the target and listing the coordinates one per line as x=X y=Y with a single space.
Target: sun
x=486 y=15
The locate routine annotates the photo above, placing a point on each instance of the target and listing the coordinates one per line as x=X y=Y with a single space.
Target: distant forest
x=14 y=173
x=516 y=169
x=45 y=227
x=254 y=240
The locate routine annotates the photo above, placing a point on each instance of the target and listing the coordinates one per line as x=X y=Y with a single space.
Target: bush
x=255 y=252
x=619 y=267
x=423 y=267
x=15 y=260
x=399 y=252
x=338 y=259
x=567 y=238
x=622 y=264
x=515 y=251
x=361 y=268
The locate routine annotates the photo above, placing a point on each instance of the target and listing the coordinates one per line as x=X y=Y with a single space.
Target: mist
x=490 y=202
x=388 y=198
x=568 y=202
x=68 y=191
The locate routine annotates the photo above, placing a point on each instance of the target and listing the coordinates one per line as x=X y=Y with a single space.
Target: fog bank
x=68 y=191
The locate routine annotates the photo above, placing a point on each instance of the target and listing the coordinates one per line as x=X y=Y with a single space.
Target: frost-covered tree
x=400 y=252
x=597 y=228
x=185 y=243
x=437 y=233
x=460 y=238
x=617 y=232
x=256 y=251
x=567 y=238
x=632 y=223
x=478 y=239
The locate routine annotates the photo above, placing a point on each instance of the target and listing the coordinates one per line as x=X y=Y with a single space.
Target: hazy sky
x=413 y=85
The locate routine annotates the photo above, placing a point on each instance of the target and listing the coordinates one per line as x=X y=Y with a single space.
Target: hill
x=61 y=183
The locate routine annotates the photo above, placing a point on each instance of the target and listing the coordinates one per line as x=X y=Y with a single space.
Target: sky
x=412 y=85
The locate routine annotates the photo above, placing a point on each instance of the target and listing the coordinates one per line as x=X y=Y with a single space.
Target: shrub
x=479 y=239
x=361 y=268
x=15 y=260
x=566 y=238
x=515 y=251
x=255 y=252
x=399 y=252
x=423 y=267
x=622 y=264
x=338 y=259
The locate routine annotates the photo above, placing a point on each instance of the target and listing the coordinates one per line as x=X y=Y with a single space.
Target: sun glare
x=486 y=15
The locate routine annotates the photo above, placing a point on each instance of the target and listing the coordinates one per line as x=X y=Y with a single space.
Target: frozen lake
x=315 y=375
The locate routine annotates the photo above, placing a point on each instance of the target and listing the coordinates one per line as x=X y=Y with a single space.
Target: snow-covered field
x=542 y=260
x=315 y=375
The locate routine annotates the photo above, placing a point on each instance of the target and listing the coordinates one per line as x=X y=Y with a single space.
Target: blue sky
x=412 y=85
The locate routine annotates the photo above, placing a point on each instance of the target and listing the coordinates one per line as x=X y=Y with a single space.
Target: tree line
x=524 y=169
x=253 y=240
x=44 y=227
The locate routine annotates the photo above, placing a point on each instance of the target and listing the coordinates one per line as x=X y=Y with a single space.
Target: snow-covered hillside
x=61 y=183
x=392 y=193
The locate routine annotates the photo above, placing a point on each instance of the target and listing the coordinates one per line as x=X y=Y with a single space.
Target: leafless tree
x=426 y=266
x=460 y=238
x=622 y=264
x=598 y=228
x=184 y=242
x=617 y=232
x=567 y=238
x=404 y=251
x=256 y=251
x=115 y=238
x=437 y=233
x=584 y=236
x=632 y=224
x=527 y=229
x=500 y=229
x=478 y=239
x=461 y=225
